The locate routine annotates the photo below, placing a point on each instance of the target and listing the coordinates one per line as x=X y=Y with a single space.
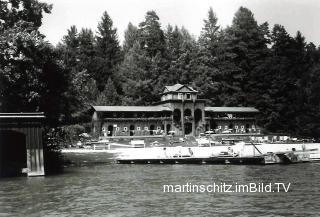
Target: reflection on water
x=95 y=186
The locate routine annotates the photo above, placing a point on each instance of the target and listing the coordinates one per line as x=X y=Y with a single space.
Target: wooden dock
x=193 y=160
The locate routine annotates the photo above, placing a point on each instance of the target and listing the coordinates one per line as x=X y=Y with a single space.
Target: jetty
x=240 y=153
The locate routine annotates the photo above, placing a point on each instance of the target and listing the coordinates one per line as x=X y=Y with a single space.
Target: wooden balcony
x=122 y=119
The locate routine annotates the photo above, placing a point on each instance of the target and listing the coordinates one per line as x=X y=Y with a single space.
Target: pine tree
x=207 y=79
x=108 y=53
x=209 y=36
x=245 y=47
x=174 y=42
x=151 y=35
x=77 y=52
x=131 y=35
x=86 y=47
x=86 y=52
x=288 y=73
x=70 y=49
x=136 y=71
x=152 y=43
x=108 y=96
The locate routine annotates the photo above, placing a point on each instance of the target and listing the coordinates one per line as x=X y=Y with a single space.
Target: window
x=146 y=128
x=125 y=129
x=179 y=95
x=138 y=128
x=188 y=96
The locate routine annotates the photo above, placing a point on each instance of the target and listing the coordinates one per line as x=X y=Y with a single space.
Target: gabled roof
x=131 y=108
x=231 y=109
x=179 y=87
x=173 y=87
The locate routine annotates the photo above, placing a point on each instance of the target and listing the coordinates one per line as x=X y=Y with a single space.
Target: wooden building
x=179 y=112
x=232 y=119
x=21 y=145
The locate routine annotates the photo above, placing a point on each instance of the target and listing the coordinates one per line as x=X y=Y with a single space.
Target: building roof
x=231 y=109
x=22 y=115
x=178 y=88
x=174 y=87
x=131 y=108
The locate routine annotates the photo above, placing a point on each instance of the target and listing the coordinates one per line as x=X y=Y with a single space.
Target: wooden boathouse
x=21 y=144
x=179 y=112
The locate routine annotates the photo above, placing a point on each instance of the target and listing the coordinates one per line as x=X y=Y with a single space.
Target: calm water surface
x=94 y=186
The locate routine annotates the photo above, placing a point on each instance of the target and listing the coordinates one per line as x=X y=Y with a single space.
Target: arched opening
x=131 y=130
x=187 y=112
x=247 y=128
x=168 y=128
x=213 y=125
x=13 y=153
x=110 y=130
x=187 y=128
x=231 y=127
x=176 y=115
x=207 y=127
x=152 y=129
x=197 y=115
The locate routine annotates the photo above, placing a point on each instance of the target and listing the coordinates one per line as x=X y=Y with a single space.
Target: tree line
x=244 y=64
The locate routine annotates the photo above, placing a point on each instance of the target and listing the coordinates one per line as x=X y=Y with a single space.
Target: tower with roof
x=188 y=111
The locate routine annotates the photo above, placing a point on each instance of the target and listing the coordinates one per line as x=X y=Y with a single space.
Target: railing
x=139 y=133
x=139 y=119
x=188 y=118
x=227 y=118
x=237 y=131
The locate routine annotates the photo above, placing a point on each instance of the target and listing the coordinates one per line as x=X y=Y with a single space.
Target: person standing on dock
x=191 y=152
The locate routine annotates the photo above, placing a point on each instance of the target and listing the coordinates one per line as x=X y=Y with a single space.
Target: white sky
x=303 y=15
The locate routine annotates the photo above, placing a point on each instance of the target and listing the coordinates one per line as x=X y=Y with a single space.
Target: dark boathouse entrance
x=21 y=149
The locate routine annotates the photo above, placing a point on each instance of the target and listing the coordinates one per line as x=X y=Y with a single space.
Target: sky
x=294 y=15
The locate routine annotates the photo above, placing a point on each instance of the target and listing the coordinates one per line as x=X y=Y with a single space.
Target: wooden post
x=165 y=127
x=182 y=119
x=193 y=119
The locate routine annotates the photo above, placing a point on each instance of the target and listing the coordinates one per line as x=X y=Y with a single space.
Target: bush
x=53 y=143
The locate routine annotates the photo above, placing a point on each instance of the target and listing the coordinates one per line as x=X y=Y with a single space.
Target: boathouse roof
x=22 y=115
x=231 y=109
x=179 y=88
x=131 y=108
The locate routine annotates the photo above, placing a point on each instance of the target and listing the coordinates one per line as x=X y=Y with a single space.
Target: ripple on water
x=136 y=190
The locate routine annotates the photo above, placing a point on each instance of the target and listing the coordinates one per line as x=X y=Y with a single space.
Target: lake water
x=94 y=186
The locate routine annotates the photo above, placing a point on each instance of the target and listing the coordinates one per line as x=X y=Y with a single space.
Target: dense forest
x=244 y=64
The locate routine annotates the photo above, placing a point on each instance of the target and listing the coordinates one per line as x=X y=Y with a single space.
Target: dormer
x=179 y=92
